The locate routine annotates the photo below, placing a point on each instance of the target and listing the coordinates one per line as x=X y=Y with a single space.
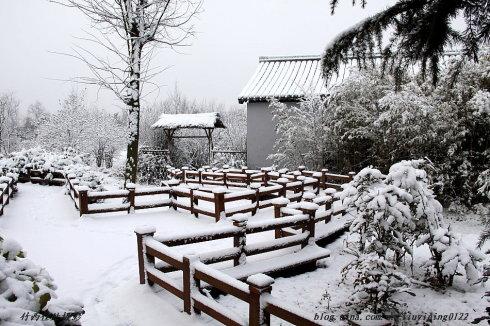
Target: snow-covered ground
x=94 y=259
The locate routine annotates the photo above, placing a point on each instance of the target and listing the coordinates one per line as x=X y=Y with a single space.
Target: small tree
x=393 y=212
x=9 y=122
x=382 y=215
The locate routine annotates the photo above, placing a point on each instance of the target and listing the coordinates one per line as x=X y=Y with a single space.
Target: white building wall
x=260 y=134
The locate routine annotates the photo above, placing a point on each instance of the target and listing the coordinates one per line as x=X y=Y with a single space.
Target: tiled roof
x=284 y=78
x=293 y=77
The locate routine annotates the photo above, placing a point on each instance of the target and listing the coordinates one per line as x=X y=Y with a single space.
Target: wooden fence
x=245 y=177
x=196 y=269
x=37 y=176
x=220 y=201
x=8 y=186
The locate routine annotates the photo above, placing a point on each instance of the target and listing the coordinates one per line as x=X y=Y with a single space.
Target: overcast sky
x=231 y=35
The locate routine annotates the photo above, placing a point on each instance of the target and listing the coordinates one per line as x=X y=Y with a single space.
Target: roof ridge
x=290 y=58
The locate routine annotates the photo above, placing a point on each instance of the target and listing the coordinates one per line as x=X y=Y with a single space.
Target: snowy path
x=94 y=258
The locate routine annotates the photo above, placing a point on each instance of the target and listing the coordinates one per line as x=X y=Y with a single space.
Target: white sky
x=231 y=35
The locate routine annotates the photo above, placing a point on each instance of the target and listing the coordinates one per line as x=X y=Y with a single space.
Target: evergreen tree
x=420 y=32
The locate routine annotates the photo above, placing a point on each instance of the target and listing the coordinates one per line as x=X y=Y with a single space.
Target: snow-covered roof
x=189 y=120
x=284 y=78
x=292 y=77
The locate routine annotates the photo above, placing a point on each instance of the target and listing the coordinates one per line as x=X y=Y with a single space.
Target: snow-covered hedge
x=27 y=292
x=67 y=161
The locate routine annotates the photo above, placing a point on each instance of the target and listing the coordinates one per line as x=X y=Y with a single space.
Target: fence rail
x=221 y=201
x=245 y=178
x=39 y=176
x=255 y=291
x=8 y=186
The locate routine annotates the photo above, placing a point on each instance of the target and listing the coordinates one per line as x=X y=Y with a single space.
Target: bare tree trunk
x=134 y=100
x=132 y=152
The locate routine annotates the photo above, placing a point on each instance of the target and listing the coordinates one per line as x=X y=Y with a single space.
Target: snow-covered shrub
x=68 y=160
x=449 y=257
x=376 y=284
x=393 y=212
x=27 y=292
x=382 y=216
x=152 y=168
x=483 y=183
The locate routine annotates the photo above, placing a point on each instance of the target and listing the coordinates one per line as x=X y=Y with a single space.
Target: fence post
x=199 y=175
x=184 y=176
x=308 y=196
x=131 y=187
x=240 y=240
x=309 y=209
x=278 y=204
x=249 y=178
x=141 y=234
x=301 y=168
x=328 y=206
x=352 y=175
x=193 y=201
x=219 y=203
x=265 y=177
x=83 y=200
x=225 y=182
x=283 y=182
x=189 y=284
x=259 y=285
x=323 y=179
x=257 y=198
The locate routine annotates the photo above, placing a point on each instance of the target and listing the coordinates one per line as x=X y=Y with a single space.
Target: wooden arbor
x=170 y=123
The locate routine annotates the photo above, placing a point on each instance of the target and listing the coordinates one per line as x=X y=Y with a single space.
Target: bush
x=27 y=292
x=67 y=161
x=393 y=212
x=152 y=168
x=376 y=282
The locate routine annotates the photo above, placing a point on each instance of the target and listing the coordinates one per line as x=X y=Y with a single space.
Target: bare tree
x=9 y=122
x=130 y=31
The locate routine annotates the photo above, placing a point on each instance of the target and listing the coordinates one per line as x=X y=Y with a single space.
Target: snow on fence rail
x=39 y=176
x=196 y=268
x=8 y=186
x=222 y=201
x=245 y=178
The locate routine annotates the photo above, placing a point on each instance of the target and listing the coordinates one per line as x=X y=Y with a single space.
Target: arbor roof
x=189 y=120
